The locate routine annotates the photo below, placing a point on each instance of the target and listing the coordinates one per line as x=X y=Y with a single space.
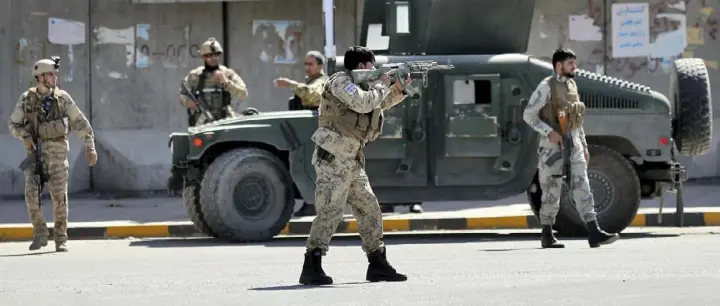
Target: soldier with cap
x=44 y=115
x=307 y=97
x=212 y=83
x=555 y=108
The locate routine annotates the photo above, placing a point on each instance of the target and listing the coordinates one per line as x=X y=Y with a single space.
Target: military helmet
x=210 y=46
x=46 y=65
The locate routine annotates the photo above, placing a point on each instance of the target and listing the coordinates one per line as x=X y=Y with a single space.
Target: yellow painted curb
x=15 y=233
x=137 y=231
x=497 y=222
x=711 y=218
x=639 y=220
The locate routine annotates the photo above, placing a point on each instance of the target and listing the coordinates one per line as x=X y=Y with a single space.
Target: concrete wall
x=124 y=74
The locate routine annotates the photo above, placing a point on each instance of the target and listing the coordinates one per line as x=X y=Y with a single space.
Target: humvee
x=461 y=138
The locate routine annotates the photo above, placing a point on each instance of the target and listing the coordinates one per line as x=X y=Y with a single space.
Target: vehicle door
x=476 y=142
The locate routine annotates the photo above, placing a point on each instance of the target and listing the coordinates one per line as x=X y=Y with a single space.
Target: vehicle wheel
x=191 y=199
x=247 y=195
x=616 y=191
x=690 y=85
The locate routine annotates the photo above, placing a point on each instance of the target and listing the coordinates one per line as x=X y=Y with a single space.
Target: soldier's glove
x=91 y=156
x=29 y=144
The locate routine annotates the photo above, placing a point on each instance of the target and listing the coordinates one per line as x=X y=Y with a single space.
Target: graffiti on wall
x=277 y=41
x=172 y=55
x=169 y=53
x=143 y=51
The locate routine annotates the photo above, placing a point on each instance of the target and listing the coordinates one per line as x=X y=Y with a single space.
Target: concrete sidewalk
x=164 y=216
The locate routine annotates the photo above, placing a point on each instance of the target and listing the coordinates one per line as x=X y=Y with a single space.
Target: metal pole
x=329 y=18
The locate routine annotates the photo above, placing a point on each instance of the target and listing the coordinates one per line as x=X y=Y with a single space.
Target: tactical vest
x=336 y=115
x=213 y=95
x=46 y=115
x=564 y=97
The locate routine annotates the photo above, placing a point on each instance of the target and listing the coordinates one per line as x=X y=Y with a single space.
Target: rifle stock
x=204 y=108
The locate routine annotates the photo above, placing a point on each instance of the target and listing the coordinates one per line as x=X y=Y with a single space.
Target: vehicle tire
x=692 y=127
x=191 y=199
x=247 y=195
x=616 y=191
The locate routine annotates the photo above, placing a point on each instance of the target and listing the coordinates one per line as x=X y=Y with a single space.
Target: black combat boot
x=598 y=237
x=548 y=240
x=305 y=210
x=38 y=242
x=380 y=270
x=61 y=246
x=312 y=271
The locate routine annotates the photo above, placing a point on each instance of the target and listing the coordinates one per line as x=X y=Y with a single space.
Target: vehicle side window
x=472 y=92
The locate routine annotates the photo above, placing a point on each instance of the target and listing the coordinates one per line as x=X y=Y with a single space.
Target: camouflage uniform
x=217 y=96
x=350 y=117
x=556 y=93
x=309 y=94
x=50 y=116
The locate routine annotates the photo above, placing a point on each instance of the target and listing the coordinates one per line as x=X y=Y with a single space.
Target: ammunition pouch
x=364 y=127
x=54 y=129
x=576 y=115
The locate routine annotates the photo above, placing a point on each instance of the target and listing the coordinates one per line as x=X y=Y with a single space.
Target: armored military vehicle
x=461 y=138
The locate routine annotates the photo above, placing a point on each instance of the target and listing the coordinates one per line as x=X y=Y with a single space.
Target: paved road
x=162 y=209
x=651 y=270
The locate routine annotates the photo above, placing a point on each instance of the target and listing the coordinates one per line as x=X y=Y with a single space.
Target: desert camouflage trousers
x=552 y=186
x=339 y=181
x=56 y=164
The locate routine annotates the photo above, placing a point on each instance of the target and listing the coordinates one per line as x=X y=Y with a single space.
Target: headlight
x=171 y=148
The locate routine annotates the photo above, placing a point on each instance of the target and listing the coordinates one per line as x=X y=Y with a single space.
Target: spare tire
x=690 y=87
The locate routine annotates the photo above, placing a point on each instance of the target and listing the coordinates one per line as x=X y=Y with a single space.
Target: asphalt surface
x=92 y=211
x=640 y=269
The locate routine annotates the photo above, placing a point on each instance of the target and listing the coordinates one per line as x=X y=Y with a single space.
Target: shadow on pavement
x=354 y=240
x=303 y=287
x=622 y=237
x=27 y=254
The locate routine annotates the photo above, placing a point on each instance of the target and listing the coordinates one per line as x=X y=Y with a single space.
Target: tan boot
x=60 y=246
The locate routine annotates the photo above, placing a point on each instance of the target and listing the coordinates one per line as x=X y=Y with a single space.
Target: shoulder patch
x=350 y=89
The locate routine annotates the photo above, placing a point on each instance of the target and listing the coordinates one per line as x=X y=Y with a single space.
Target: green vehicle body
x=463 y=138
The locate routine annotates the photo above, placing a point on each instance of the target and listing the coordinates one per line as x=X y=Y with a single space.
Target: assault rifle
x=35 y=161
x=204 y=108
x=400 y=71
x=565 y=154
